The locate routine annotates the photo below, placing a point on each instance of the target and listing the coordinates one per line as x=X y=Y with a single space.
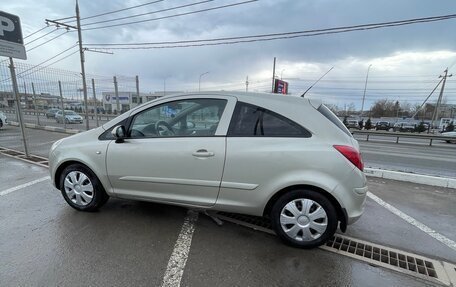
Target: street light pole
x=281 y=74
x=365 y=86
x=199 y=82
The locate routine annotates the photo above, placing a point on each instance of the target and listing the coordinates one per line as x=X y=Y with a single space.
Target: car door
x=174 y=151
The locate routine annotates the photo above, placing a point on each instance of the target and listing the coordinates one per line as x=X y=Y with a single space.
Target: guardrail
x=398 y=135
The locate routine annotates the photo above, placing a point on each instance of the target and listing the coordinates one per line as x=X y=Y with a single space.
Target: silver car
x=286 y=158
x=70 y=116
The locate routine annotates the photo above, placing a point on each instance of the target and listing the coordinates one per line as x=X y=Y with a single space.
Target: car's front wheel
x=304 y=218
x=81 y=188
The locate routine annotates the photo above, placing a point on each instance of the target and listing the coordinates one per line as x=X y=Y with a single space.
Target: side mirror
x=119 y=133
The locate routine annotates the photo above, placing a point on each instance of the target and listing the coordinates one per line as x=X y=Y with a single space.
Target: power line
x=52 y=39
x=173 y=16
x=41 y=37
x=149 y=13
x=269 y=37
x=112 y=12
x=124 y=9
x=37 y=31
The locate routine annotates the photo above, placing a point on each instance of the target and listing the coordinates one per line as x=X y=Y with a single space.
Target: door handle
x=203 y=153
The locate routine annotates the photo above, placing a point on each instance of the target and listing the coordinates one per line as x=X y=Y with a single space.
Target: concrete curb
x=47 y=128
x=411 y=177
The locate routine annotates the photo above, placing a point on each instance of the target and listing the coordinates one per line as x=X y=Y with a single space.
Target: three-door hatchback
x=288 y=158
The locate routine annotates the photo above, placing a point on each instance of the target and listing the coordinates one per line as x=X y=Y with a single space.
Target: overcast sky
x=406 y=61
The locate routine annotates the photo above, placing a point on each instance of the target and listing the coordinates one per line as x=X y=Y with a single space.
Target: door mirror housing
x=119 y=133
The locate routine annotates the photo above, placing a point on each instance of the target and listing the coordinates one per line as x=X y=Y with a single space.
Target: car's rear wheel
x=304 y=218
x=81 y=188
x=1 y=123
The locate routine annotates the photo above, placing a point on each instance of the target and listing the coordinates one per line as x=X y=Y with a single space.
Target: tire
x=67 y=121
x=325 y=221
x=89 y=200
x=1 y=123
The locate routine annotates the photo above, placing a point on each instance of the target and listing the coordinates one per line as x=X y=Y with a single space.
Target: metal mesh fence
x=53 y=106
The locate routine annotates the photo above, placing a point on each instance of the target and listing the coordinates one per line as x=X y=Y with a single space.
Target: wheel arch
x=341 y=212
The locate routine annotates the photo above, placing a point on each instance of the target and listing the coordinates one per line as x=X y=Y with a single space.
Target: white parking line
x=448 y=242
x=9 y=190
x=178 y=259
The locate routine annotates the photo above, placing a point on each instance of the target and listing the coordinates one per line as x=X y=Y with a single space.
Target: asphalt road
x=409 y=156
x=44 y=242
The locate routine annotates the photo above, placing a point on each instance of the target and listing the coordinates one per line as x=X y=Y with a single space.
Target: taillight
x=352 y=155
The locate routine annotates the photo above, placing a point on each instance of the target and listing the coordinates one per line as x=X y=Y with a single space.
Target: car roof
x=254 y=97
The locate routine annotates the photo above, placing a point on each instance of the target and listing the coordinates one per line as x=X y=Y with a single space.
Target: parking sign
x=11 y=41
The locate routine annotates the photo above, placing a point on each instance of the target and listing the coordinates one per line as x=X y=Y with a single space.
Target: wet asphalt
x=44 y=242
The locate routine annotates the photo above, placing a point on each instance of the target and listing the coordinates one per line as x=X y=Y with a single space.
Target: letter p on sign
x=6 y=25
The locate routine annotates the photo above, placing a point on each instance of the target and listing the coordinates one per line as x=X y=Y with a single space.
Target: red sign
x=280 y=87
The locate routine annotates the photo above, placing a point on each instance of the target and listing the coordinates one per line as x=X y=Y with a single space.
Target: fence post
x=137 y=91
x=96 y=103
x=18 y=105
x=117 y=95
x=63 y=107
x=34 y=104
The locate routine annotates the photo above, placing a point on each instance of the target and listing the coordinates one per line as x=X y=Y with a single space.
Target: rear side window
x=333 y=118
x=250 y=120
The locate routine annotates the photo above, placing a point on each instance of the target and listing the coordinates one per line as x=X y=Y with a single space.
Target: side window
x=250 y=120
x=185 y=118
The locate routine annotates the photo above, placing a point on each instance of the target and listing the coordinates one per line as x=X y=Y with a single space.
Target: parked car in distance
x=404 y=127
x=51 y=113
x=352 y=124
x=247 y=153
x=450 y=135
x=3 y=119
x=382 y=125
x=71 y=117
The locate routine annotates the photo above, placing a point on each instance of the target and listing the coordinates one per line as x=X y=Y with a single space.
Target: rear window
x=333 y=118
x=250 y=121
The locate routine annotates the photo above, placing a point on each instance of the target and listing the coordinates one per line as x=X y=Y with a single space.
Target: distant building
x=445 y=110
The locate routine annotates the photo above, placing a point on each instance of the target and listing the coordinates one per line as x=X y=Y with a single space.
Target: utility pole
x=81 y=54
x=247 y=84
x=199 y=81
x=437 y=107
x=273 y=75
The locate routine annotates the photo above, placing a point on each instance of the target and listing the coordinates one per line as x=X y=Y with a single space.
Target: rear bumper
x=351 y=195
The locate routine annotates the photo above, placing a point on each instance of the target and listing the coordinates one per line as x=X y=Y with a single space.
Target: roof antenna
x=302 y=96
